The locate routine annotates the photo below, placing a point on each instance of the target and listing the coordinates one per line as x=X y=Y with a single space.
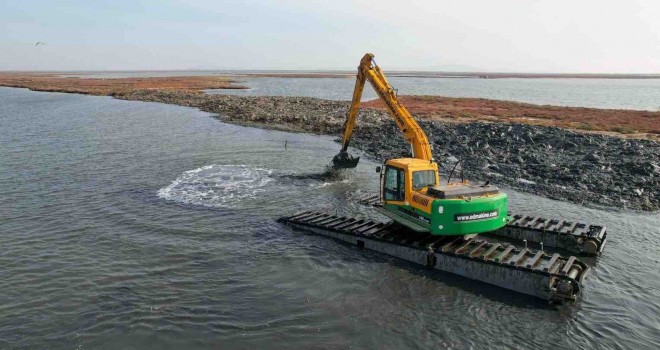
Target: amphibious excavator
x=446 y=226
x=411 y=191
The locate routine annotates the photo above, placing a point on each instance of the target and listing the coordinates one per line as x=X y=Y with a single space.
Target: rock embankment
x=548 y=161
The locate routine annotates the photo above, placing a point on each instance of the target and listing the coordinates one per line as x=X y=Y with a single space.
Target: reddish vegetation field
x=96 y=86
x=629 y=122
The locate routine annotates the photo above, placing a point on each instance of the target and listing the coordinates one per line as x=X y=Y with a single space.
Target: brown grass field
x=113 y=86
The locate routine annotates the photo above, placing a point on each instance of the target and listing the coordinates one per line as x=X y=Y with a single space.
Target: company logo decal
x=476 y=216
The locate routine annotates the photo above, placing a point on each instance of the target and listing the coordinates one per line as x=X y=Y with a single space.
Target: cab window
x=394 y=186
x=423 y=179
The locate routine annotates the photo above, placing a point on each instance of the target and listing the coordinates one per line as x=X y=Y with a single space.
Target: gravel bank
x=552 y=162
x=556 y=163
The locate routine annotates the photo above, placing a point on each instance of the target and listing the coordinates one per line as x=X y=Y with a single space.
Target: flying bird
x=39 y=43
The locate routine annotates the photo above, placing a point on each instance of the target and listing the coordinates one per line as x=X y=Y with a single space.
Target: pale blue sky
x=504 y=35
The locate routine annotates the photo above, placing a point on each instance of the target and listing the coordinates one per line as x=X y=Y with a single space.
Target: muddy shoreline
x=488 y=137
x=589 y=169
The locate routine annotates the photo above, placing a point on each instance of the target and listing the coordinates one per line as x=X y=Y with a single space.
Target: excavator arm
x=369 y=71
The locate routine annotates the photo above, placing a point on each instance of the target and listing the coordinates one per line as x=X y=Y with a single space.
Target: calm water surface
x=642 y=94
x=139 y=225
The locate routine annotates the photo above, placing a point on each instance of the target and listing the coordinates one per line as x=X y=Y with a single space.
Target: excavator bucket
x=343 y=160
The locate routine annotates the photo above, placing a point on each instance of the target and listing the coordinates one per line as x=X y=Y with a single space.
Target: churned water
x=217 y=186
x=142 y=225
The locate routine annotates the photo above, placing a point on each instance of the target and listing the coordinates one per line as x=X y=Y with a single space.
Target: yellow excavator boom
x=369 y=71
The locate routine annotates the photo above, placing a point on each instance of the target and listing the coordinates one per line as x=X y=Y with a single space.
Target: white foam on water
x=324 y=184
x=218 y=186
x=320 y=185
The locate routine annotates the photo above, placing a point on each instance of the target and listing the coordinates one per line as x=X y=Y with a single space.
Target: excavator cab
x=412 y=195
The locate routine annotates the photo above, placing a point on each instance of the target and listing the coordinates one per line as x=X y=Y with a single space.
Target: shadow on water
x=477 y=288
x=329 y=175
x=481 y=289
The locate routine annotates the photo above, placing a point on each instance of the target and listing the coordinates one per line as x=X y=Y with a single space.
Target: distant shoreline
x=457 y=75
x=346 y=74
